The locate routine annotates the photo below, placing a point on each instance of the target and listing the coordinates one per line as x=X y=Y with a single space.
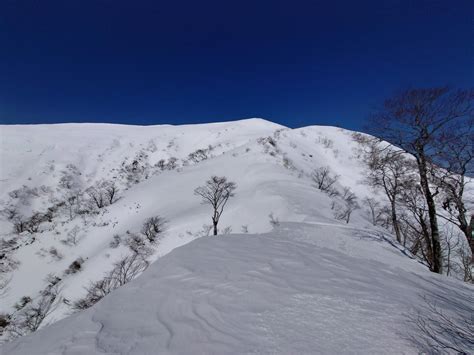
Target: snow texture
x=313 y=284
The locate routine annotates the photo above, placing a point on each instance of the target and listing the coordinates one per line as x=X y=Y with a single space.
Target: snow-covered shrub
x=200 y=154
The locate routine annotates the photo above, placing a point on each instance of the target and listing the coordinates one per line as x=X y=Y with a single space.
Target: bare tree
x=102 y=194
x=124 y=271
x=375 y=211
x=389 y=170
x=111 y=192
x=97 y=196
x=324 y=179
x=456 y=160
x=417 y=224
x=415 y=120
x=216 y=193
x=153 y=227
x=442 y=332
x=350 y=205
x=32 y=314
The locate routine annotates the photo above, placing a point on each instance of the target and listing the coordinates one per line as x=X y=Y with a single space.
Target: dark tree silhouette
x=416 y=120
x=216 y=193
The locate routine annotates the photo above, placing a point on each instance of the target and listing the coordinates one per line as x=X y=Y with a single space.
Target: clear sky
x=293 y=62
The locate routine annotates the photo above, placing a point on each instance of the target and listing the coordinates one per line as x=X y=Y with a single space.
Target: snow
x=315 y=284
x=300 y=289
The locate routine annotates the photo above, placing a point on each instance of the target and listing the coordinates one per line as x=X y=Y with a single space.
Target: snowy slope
x=293 y=291
x=271 y=165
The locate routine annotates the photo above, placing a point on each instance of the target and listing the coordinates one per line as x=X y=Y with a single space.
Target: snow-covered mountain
x=287 y=276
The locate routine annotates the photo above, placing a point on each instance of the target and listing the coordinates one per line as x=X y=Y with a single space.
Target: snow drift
x=298 y=282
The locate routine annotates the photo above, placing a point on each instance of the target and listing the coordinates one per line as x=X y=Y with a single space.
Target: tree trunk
x=470 y=236
x=396 y=227
x=214 y=224
x=435 y=239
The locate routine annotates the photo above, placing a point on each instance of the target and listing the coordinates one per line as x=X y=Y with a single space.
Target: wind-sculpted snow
x=301 y=289
x=315 y=284
x=42 y=165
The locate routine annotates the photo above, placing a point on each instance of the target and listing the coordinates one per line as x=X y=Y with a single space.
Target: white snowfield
x=293 y=291
x=313 y=284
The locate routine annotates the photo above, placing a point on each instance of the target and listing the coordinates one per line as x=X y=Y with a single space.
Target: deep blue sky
x=293 y=62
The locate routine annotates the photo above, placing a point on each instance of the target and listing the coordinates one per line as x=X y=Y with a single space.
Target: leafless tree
x=216 y=193
x=449 y=246
x=324 y=179
x=102 y=194
x=415 y=120
x=111 y=192
x=374 y=209
x=31 y=316
x=153 y=228
x=441 y=332
x=97 y=196
x=387 y=169
x=456 y=161
x=344 y=212
x=124 y=271
x=416 y=221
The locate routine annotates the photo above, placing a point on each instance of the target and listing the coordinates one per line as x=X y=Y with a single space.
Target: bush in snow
x=152 y=228
x=75 y=266
x=200 y=155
